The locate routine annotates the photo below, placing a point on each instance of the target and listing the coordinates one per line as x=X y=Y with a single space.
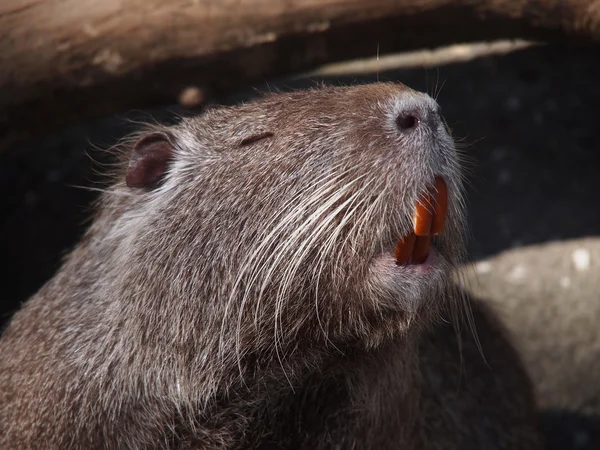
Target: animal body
x=271 y=275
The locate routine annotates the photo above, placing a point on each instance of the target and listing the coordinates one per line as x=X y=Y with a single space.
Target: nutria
x=271 y=275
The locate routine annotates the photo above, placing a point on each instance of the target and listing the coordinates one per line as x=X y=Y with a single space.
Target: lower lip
x=423 y=268
x=386 y=272
x=387 y=264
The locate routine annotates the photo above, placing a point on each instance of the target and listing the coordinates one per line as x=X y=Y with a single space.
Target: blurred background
x=525 y=116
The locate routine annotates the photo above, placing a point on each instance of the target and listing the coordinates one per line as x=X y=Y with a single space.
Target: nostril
x=407 y=121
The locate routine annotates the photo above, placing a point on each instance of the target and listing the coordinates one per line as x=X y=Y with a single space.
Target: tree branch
x=63 y=61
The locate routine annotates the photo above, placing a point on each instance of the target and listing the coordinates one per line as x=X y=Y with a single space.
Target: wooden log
x=63 y=61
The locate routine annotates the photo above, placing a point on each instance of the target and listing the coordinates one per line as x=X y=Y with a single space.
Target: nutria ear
x=149 y=160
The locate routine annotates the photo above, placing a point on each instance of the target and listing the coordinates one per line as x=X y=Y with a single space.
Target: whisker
x=259 y=266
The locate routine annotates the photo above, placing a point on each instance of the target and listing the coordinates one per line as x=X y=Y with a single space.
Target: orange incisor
x=429 y=220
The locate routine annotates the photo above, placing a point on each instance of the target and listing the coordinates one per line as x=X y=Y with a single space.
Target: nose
x=415 y=111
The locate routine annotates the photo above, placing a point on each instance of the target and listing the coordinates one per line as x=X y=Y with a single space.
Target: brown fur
x=250 y=299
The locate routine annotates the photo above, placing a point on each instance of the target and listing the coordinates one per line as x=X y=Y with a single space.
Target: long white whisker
x=304 y=246
x=251 y=271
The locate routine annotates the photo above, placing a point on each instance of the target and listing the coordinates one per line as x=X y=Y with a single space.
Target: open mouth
x=429 y=220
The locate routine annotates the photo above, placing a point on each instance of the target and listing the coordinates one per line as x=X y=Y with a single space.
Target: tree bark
x=62 y=61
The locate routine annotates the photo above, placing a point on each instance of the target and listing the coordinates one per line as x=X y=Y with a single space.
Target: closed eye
x=255 y=138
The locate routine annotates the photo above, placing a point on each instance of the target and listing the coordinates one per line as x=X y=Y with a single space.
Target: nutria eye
x=257 y=137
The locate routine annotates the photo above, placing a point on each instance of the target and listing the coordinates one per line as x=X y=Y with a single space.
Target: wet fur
x=240 y=304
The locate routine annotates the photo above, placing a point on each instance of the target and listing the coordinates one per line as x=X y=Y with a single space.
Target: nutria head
x=287 y=223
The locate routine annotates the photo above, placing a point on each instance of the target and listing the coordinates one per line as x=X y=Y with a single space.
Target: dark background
x=528 y=122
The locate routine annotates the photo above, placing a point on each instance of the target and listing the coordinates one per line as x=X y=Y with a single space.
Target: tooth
x=440 y=210
x=423 y=217
x=421 y=249
x=404 y=249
